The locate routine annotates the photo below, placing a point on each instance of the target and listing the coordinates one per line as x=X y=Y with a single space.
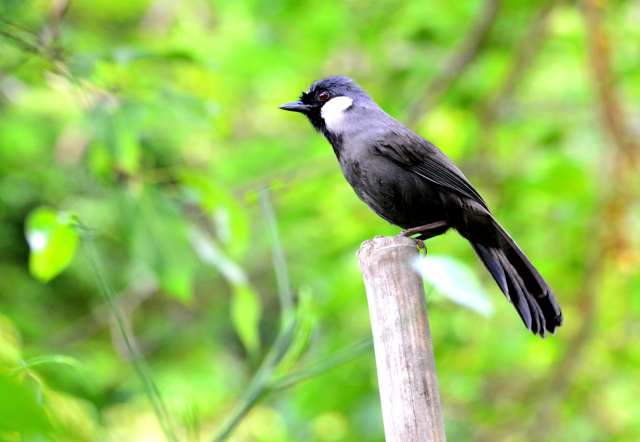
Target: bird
x=411 y=183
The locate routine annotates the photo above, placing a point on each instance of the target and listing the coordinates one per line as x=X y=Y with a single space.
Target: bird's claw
x=419 y=243
x=421 y=246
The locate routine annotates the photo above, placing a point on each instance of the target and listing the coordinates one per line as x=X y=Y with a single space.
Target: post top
x=378 y=243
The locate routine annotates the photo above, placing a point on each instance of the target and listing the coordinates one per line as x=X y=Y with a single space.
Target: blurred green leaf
x=209 y=252
x=175 y=279
x=127 y=148
x=20 y=409
x=10 y=352
x=245 y=315
x=306 y=318
x=228 y=216
x=246 y=308
x=52 y=240
x=455 y=280
x=160 y=241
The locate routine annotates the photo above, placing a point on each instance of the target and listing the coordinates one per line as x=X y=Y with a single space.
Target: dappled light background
x=177 y=255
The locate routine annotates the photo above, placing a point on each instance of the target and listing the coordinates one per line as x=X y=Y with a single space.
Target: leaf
x=10 y=352
x=74 y=418
x=176 y=278
x=210 y=253
x=456 y=281
x=245 y=304
x=245 y=315
x=53 y=241
x=229 y=217
x=306 y=318
x=48 y=359
x=127 y=150
x=159 y=241
x=23 y=412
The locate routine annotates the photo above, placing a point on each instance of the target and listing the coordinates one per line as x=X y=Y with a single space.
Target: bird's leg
x=425 y=229
x=424 y=232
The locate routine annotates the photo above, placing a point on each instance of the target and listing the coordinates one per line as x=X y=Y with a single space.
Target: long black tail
x=519 y=281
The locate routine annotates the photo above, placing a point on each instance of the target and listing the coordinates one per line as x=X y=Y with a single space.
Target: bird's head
x=328 y=101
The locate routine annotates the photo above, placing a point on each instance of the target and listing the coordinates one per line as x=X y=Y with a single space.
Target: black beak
x=296 y=106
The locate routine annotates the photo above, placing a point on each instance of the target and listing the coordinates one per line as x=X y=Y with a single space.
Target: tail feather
x=519 y=281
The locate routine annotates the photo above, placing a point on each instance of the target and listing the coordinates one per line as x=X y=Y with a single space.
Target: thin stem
x=279 y=261
x=339 y=358
x=137 y=360
x=260 y=383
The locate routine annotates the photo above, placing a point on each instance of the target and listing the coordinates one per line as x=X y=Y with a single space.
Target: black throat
x=318 y=123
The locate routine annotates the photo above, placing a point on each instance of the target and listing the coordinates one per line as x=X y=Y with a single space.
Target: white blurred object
x=455 y=280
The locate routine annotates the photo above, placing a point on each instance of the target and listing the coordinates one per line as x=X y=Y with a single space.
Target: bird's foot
x=422 y=247
x=423 y=229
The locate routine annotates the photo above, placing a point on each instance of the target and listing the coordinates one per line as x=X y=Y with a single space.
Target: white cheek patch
x=332 y=112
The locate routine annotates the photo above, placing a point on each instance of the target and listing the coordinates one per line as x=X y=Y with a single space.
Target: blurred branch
x=21 y=37
x=159 y=16
x=456 y=64
x=50 y=34
x=45 y=46
x=609 y=233
x=609 y=227
x=526 y=51
x=599 y=55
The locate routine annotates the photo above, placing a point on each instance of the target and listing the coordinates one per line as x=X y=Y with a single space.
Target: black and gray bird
x=411 y=183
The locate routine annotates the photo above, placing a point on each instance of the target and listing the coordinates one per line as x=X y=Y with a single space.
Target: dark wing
x=419 y=156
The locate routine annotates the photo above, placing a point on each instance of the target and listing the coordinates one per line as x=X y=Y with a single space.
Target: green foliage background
x=140 y=142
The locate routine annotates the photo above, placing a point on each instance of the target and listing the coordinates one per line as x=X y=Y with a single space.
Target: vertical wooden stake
x=402 y=341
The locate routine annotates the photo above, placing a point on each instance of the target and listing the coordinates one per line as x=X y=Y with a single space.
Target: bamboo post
x=402 y=341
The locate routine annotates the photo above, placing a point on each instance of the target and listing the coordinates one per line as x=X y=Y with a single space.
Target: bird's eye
x=324 y=96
